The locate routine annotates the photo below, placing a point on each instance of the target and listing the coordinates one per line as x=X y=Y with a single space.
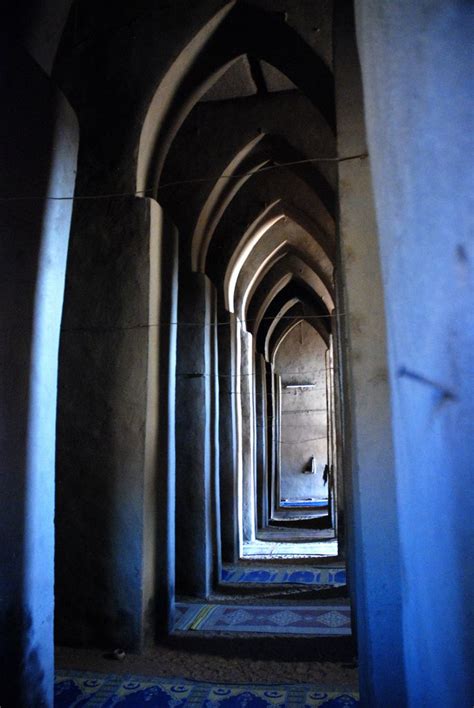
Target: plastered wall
x=300 y=358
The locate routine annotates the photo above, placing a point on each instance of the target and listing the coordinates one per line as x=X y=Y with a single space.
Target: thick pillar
x=276 y=471
x=271 y=431
x=261 y=439
x=215 y=450
x=160 y=480
x=417 y=71
x=227 y=435
x=373 y=554
x=194 y=437
x=338 y=432
x=247 y=435
x=107 y=418
x=38 y=156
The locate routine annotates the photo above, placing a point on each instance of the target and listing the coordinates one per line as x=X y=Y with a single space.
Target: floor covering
x=79 y=688
x=299 y=514
x=310 y=503
x=225 y=659
x=279 y=549
x=308 y=620
x=334 y=576
x=294 y=534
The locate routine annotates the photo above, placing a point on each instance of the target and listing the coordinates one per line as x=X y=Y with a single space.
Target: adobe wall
x=300 y=358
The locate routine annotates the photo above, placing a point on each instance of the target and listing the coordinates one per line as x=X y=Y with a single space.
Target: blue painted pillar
x=39 y=149
x=370 y=482
x=418 y=86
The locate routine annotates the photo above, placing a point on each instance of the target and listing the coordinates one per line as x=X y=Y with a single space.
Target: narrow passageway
x=238 y=146
x=257 y=413
x=243 y=365
x=236 y=354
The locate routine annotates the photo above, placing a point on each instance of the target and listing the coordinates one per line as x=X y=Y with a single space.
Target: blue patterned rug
x=308 y=503
x=332 y=576
x=315 y=621
x=80 y=688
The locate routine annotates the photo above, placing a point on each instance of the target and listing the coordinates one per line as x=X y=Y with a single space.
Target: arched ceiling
x=285 y=236
x=293 y=290
x=264 y=153
x=132 y=93
x=260 y=228
x=288 y=269
x=296 y=314
x=247 y=206
x=237 y=30
x=225 y=142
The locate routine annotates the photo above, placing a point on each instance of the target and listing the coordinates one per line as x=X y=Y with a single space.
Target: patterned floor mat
x=278 y=549
x=334 y=576
x=78 y=688
x=316 y=621
x=308 y=503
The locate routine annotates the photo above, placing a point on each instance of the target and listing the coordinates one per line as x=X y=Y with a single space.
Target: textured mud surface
x=203 y=666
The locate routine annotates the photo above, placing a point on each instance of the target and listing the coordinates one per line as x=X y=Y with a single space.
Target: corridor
x=236 y=404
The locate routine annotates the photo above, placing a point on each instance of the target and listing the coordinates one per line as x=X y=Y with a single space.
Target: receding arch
x=230 y=238
x=237 y=29
x=158 y=127
x=276 y=319
x=217 y=201
x=290 y=268
x=255 y=232
x=260 y=152
x=285 y=249
x=310 y=234
x=251 y=236
x=264 y=265
x=291 y=321
x=300 y=291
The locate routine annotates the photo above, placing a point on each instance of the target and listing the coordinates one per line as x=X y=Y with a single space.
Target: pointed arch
x=285 y=248
x=262 y=151
x=288 y=269
x=237 y=29
x=299 y=291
